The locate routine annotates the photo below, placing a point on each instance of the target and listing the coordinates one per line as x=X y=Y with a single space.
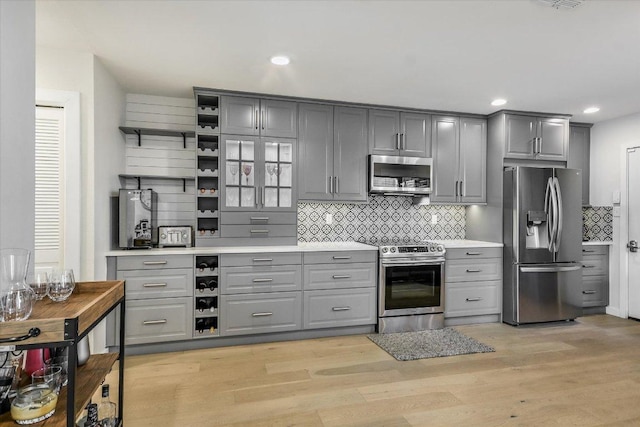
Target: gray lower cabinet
x=595 y=276
x=332 y=153
x=159 y=293
x=473 y=285
x=339 y=307
x=246 y=314
x=459 y=155
x=579 y=152
x=242 y=280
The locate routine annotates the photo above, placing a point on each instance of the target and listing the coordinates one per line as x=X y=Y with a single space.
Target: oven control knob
x=440 y=248
x=385 y=249
x=393 y=249
x=163 y=236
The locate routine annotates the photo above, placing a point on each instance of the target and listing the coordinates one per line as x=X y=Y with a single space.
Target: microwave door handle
x=560 y=213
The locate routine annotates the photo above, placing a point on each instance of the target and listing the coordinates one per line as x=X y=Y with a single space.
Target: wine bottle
x=92 y=416
x=202 y=266
x=200 y=325
x=202 y=304
x=106 y=409
x=212 y=284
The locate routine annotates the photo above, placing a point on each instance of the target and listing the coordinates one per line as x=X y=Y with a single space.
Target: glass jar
x=34 y=403
x=16 y=297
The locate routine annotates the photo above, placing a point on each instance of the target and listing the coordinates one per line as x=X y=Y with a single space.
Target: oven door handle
x=411 y=263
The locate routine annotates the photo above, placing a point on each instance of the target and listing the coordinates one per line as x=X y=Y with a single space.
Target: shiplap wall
x=163 y=156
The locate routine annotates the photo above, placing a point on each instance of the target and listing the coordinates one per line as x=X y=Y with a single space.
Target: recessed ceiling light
x=280 y=60
x=591 y=110
x=498 y=102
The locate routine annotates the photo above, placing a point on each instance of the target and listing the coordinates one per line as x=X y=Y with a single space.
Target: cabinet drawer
x=260 y=259
x=473 y=253
x=595 y=250
x=595 y=265
x=339 y=257
x=466 y=270
x=260 y=313
x=258 y=218
x=595 y=292
x=158 y=320
x=259 y=231
x=472 y=298
x=341 y=307
x=143 y=284
x=152 y=262
x=340 y=276
x=244 y=280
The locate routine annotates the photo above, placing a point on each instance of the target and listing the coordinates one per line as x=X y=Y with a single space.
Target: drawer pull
x=263 y=314
x=474 y=253
x=342 y=276
x=341 y=257
x=154 y=322
x=262 y=280
x=588 y=292
x=341 y=308
x=474 y=299
x=262 y=259
x=588 y=251
x=588 y=266
x=259 y=231
x=154 y=285
x=259 y=218
x=473 y=270
x=154 y=262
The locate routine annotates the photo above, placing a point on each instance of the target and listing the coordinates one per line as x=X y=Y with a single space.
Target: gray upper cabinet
x=398 y=133
x=578 y=158
x=541 y=138
x=253 y=116
x=459 y=151
x=332 y=153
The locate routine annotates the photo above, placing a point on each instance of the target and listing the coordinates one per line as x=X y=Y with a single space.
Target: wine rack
x=207 y=169
x=206 y=294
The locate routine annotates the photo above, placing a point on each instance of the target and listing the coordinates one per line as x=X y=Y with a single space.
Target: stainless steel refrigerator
x=542 y=223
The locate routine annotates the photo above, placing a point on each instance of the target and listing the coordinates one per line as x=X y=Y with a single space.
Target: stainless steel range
x=411 y=294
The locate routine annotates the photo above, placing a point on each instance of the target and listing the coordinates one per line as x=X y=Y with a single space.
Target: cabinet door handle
x=397 y=141
x=262 y=259
x=404 y=141
x=154 y=285
x=262 y=119
x=341 y=257
x=330 y=185
x=341 y=276
x=474 y=253
x=457 y=188
x=255 y=196
x=335 y=178
x=588 y=292
x=588 y=251
x=154 y=262
x=262 y=314
x=473 y=270
x=341 y=308
x=265 y=280
x=259 y=218
x=588 y=266
x=257 y=119
x=461 y=189
x=259 y=231
x=474 y=299
x=154 y=322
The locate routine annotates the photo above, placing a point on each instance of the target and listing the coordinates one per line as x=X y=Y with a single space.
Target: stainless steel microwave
x=400 y=175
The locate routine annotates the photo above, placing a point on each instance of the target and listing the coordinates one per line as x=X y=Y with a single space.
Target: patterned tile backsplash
x=385 y=219
x=597 y=223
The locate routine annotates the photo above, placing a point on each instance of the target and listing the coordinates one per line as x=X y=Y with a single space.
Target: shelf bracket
x=137 y=131
x=184 y=140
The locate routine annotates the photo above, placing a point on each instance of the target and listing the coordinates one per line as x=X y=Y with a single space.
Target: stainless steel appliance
x=175 y=236
x=542 y=244
x=404 y=176
x=411 y=288
x=137 y=218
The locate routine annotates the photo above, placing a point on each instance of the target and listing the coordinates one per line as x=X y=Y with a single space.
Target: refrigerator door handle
x=559 y=219
x=550 y=269
x=551 y=208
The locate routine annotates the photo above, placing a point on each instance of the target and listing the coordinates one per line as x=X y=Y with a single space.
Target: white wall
x=609 y=142
x=17 y=123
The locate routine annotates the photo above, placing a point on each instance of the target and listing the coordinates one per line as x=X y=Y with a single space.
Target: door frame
x=70 y=102
x=624 y=235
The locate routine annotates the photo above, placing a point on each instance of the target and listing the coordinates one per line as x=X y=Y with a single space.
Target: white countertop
x=598 y=243
x=300 y=247
x=450 y=244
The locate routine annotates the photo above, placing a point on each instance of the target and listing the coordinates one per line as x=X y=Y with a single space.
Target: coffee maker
x=138 y=217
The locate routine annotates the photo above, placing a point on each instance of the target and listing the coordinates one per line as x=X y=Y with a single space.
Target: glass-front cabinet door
x=259 y=174
x=278 y=174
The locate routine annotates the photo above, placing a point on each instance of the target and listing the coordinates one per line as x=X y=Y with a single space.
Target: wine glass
x=39 y=282
x=233 y=170
x=271 y=170
x=246 y=169
x=62 y=285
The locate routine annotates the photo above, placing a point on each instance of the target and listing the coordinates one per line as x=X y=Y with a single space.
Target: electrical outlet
x=328 y=219
x=434 y=219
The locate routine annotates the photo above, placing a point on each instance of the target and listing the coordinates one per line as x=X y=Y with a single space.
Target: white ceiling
x=443 y=55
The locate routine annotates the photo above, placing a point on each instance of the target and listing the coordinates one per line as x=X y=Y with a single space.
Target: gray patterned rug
x=426 y=344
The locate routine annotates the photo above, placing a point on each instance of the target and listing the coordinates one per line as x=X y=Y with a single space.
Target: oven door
x=411 y=288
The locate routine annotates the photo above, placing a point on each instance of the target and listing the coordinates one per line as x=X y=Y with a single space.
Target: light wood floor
x=583 y=373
